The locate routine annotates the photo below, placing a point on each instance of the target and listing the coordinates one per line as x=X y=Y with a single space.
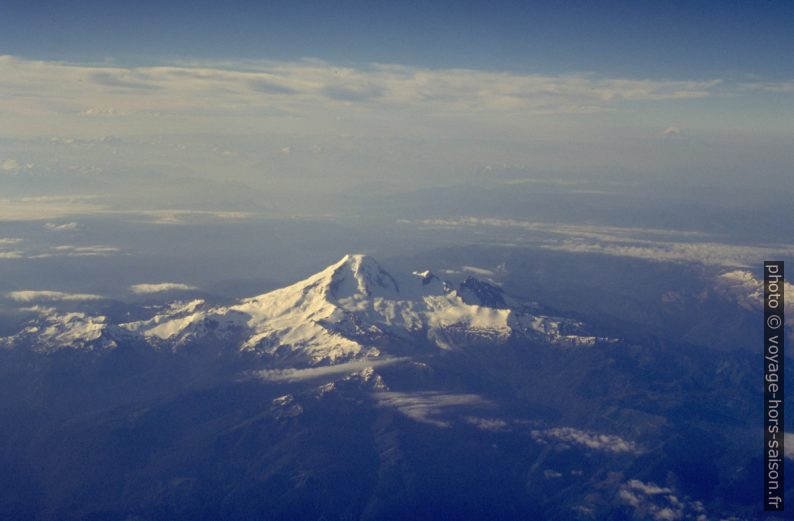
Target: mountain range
x=363 y=393
x=341 y=313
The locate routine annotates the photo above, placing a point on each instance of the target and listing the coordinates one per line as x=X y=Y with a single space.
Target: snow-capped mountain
x=369 y=393
x=53 y=330
x=351 y=309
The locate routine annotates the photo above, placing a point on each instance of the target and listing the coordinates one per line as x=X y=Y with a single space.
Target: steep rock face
x=348 y=310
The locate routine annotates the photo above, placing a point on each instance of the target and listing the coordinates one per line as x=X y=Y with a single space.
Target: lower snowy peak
x=353 y=309
x=52 y=331
x=183 y=322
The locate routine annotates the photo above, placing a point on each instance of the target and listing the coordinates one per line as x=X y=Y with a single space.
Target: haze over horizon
x=303 y=108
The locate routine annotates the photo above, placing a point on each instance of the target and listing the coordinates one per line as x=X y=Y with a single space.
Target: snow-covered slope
x=53 y=330
x=349 y=310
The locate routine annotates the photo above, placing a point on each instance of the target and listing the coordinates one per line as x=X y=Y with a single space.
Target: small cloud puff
x=651 y=501
x=571 y=436
x=56 y=227
x=488 y=424
x=788 y=441
x=160 y=287
x=671 y=133
x=33 y=295
x=12 y=166
x=746 y=290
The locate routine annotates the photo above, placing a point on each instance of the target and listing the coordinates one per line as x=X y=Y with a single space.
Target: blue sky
x=648 y=39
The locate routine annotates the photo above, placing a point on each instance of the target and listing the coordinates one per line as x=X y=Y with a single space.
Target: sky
x=175 y=144
x=648 y=39
x=297 y=106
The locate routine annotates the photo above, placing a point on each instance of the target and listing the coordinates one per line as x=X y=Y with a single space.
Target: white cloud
x=571 y=436
x=666 y=514
x=425 y=407
x=788 y=441
x=64 y=250
x=41 y=310
x=611 y=233
x=160 y=287
x=464 y=117
x=629 y=497
x=643 y=243
x=488 y=424
x=299 y=87
x=34 y=295
x=69 y=250
x=648 y=488
x=713 y=253
x=309 y=373
x=779 y=87
x=744 y=288
x=650 y=501
x=671 y=133
x=5 y=253
x=47 y=207
x=478 y=271
x=10 y=166
x=184 y=216
x=61 y=226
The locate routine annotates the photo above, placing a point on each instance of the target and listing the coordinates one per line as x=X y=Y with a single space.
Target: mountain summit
x=359 y=275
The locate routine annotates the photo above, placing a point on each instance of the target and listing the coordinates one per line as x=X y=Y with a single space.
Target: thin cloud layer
x=703 y=252
x=70 y=250
x=59 y=227
x=569 y=436
x=9 y=248
x=642 y=243
x=428 y=407
x=19 y=249
x=160 y=287
x=47 y=207
x=101 y=90
x=310 y=373
x=314 y=127
x=47 y=295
